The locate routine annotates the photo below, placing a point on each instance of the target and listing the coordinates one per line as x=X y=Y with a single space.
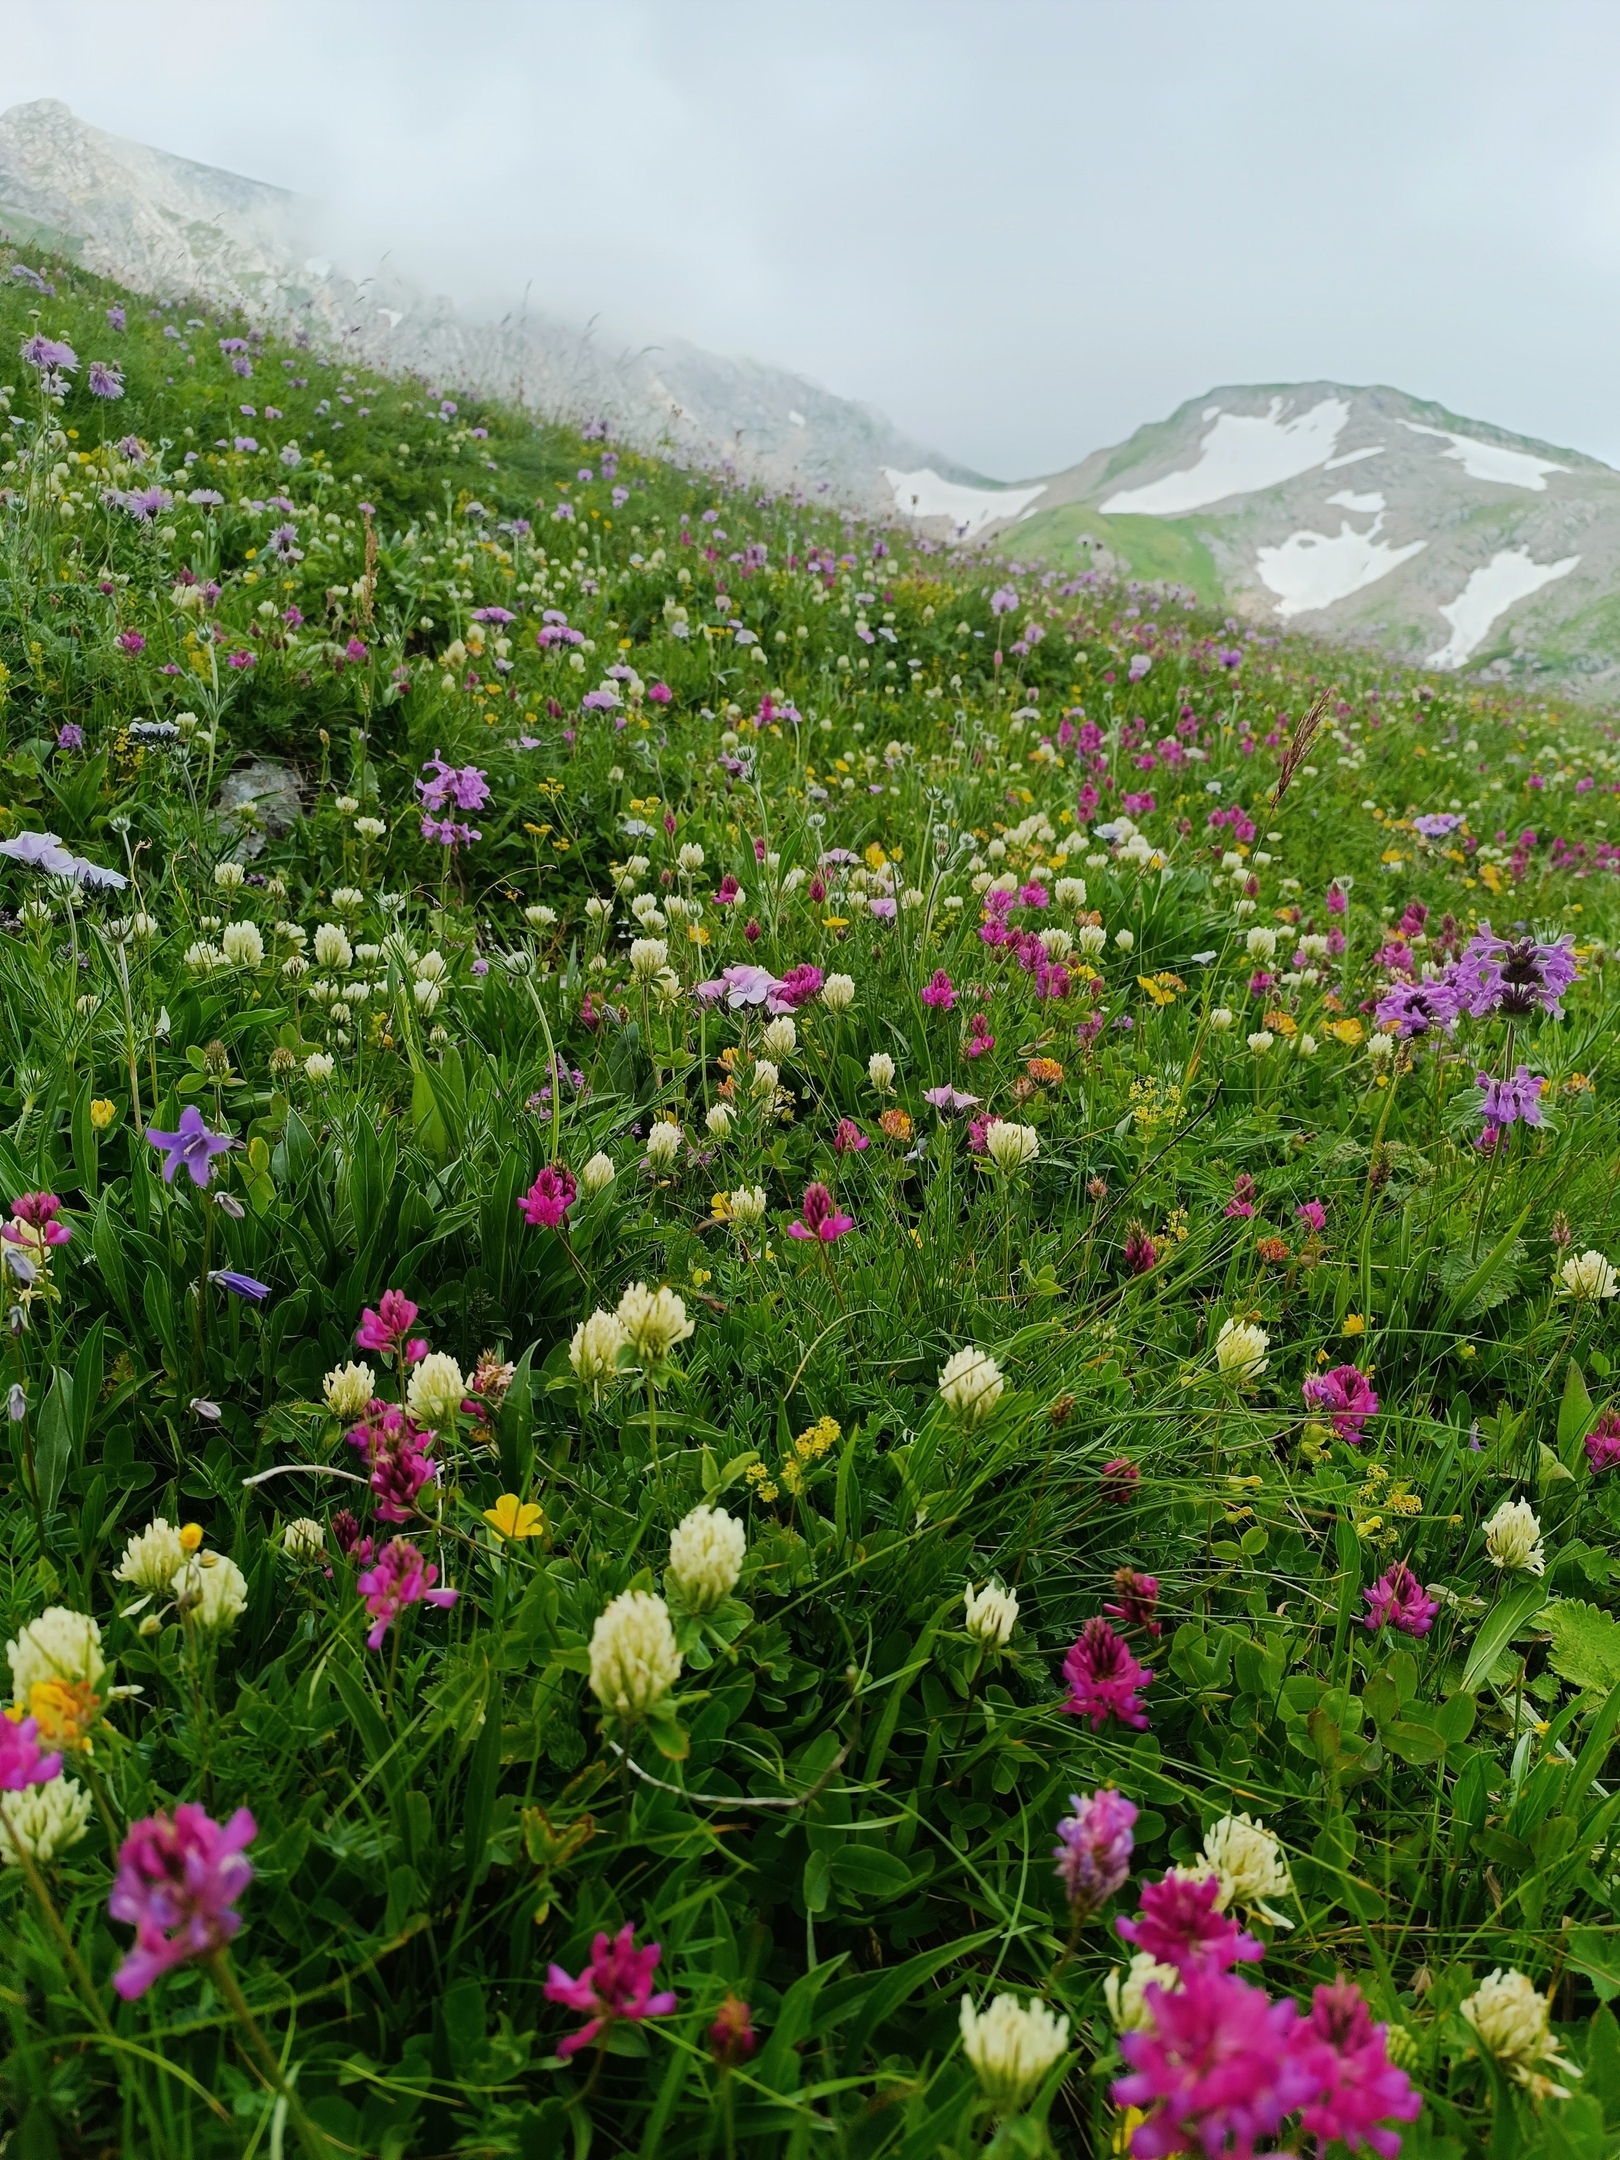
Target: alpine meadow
x=810 y=1339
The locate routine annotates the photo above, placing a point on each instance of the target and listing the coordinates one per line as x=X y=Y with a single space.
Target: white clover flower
x=1380 y=1047
x=242 y=945
x=1513 y=1539
x=212 y=1591
x=1511 y=2016
x=654 y=1321
x=319 y=1067
x=430 y=967
x=59 y=1645
x=151 y=1558
x=1240 y=1351
x=539 y=918
x=228 y=876
x=44 y=1820
x=303 y=1539
x=746 y=1207
x=780 y=1039
x=1011 y=2048
x=594 y=1349
x=435 y=1390
x=1010 y=1145
x=663 y=1145
x=204 y=958
x=838 y=993
x=348 y=1388
x=597 y=1175
x=991 y=1613
x=690 y=858
x=1125 y=1994
x=644 y=907
x=767 y=1078
x=1090 y=939
x=1587 y=1275
x=648 y=957
x=880 y=1071
x=1261 y=943
x=634 y=1661
x=718 y=1121
x=1125 y=940
x=1222 y=1018
x=706 y=1550
x=1070 y=892
x=1305 y=1047
x=1249 y=1861
x=970 y=1385
x=332 y=948
x=1261 y=1041
x=426 y=996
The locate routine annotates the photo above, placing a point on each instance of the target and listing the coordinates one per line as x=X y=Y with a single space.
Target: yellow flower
x=1354 y=1324
x=1348 y=1032
x=720 y=1207
x=102 y=1113
x=511 y=1517
x=65 y=1711
x=191 y=1536
x=875 y=857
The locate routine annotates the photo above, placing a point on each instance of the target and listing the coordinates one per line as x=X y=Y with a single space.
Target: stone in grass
x=259 y=800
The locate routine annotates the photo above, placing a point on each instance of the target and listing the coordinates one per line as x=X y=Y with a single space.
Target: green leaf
x=1585 y=1644
x=868 y=1875
x=817 y=1883
x=1514 y=1610
x=53 y=1441
x=1596 y=1954
x=1574 y=1416
x=1488 y=1284
x=483 y=1780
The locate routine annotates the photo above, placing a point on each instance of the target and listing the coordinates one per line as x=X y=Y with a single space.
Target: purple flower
x=1003 y=600
x=740 y=986
x=1415 y=1008
x=1104 y=1679
x=819 y=1217
x=1093 y=1852
x=192 y=1148
x=239 y=1285
x=464 y=785
x=1347 y=1395
x=105 y=380
x=448 y=833
x=50 y=355
x=21 y=1763
x=1179 y=1925
x=1507 y=1102
x=1313 y=1214
x=43 y=851
x=548 y=1199
x=617 y=1983
x=178 y=1878
x=1436 y=824
x=1603 y=1443
x=1140 y=663
x=1518 y=978
x=144 y=504
x=399 y=1577
x=70 y=736
x=1400 y=1600
x=116 y=318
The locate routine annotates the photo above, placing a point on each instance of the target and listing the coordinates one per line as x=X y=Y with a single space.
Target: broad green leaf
x=1512 y=1611
x=1585 y=1644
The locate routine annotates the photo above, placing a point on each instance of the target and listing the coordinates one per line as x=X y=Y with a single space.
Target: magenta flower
x=548 y=1199
x=819 y=1217
x=35 y=1216
x=192 y=1147
x=464 y=785
x=1358 y=2087
x=1401 y=1600
x=393 y=1446
x=1138 y=1597
x=1104 y=1679
x=1140 y=1250
x=1603 y=1443
x=1517 y=979
x=940 y=992
x=1313 y=1214
x=797 y=987
x=849 y=1138
x=617 y=1983
x=21 y=1763
x=398 y=1577
x=660 y=693
x=1218 y=2070
x=1178 y=1925
x=178 y=1878
x=1093 y=1852
x=1120 y=1478
x=1241 y=1204
x=1347 y=1395
x=130 y=641
x=387 y=1327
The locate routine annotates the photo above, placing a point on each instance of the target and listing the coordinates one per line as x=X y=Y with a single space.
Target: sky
x=1021 y=228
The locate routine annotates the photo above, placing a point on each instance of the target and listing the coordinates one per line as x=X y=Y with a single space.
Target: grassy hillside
x=918 y=1059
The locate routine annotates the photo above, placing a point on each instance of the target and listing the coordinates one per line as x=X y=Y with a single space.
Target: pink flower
x=729 y=889
x=1104 y=1678
x=797 y=987
x=1218 y=2070
x=1312 y=1213
x=1358 y=2086
x=819 y=1217
x=392 y=1444
x=38 y=1212
x=1241 y=1203
x=548 y=1199
x=1140 y=1250
x=177 y=1880
x=1178 y=1925
x=1338 y=900
x=399 y=1577
x=732 y=2038
x=386 y=1328
x=940 y=992
x=1120 y=1479
x=617 y=1983
x=1603 y=1442
x=130 y=641
x=1400 y=1599
x=1138 y=1597
x=1093 y=1852
x=980 y=1038
x=849 y=1137
x=660 y=693
x=21 y=1763
x=1347 y=1395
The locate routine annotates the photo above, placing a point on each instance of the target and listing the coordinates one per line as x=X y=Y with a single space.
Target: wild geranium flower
x=387 y=1328
x=1217 y=2069
x=819 y=1217
x=1346 y=1394
x=1093 y=1852
x=548 y=1199
x=191 y=1147
x=178 y=1879
x=617 y=1984
x=1359 y=2089
x=399 y=1577
x=1104 y=1679
x=1181 y=1924
x=1400 y=1601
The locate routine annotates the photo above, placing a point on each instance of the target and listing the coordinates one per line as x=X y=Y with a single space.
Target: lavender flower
x=1515 y=979
x=105 y=380
x=1508 y=1102
x=1093 y=1852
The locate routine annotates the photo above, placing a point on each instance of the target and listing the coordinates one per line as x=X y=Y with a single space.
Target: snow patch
x=1241 y=453
x=393 y=316
x=1510 y=575
x=795 y=419
x=1489 y=461
x=924 y=495
x=1354 y=457
x=1313 y=570
x=1364 y=503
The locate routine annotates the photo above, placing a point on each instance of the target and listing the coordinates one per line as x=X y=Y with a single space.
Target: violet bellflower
x=192 y=1147
x=1093 y=1852
x=1104 y=1679
x=616 y=1984
x=178 y=1879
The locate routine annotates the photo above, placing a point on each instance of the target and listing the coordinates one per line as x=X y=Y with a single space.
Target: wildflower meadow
x=809 y=1341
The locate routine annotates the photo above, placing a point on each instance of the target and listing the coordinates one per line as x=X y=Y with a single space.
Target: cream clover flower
x=1513 y=1539
x=706 y=1552
x=718 y=1121
x=780 y=1039
x=152 y=1558
x=594 y=1350
x=212 y=1592
x=1512 y=2019
x=634 y=1660
x=1249 y=1861
x=970 y=1385
x=242 y=945
x=1261 y=1041
x=59 y=1645
x=435 y=1390
x=44 y=1820
x=1011 y=2047
x=1125 y=1993
x=991 y=1614
x=1011 y=1145
x=880 y=1070
x=348 y=1388
x=746 y=1207
x=663 y=1145
x=1261 y=944
x=332 y=948
x=303 y=1539
x=597 y=1175
x=1588 y=1276
x=1240 y=1351
x=649 y=956
x=654 y=1321
x=838 y=993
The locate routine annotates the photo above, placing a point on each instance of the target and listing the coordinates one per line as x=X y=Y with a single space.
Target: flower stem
x=314 y=2144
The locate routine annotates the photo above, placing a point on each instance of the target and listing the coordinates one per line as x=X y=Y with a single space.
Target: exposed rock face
x=258 y=800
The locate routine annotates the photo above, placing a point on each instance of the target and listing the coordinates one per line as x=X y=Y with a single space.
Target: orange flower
x=896 y=1124
x=1046 y=1070
x=66 y=1710
x=1273 y=1250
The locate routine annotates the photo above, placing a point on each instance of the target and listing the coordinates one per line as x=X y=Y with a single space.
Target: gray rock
x=259 y=801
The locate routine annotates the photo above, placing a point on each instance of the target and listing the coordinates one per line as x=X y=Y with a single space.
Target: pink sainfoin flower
x=21 y=1763
x=819 y=1217
x=1217 y=2071
x=387 y=1327
x=797 y=987
x=398 y=1577
x=1138 y=1597
x=1241 y=1204
x=35 y=1221
x=1104 y=1679
x=1603 y=1442
x=1359 y=2088
x=393 y=1446
x=617 y=1983
x=939 y=992
x=1312 y=1213
x=1178 y=1925
x=1347 y=1395
x=1400 y=1600
x=1093 y=1852
x=849 y=1137
x=178 y=1878
x=548 y=1199
x=980 y=1040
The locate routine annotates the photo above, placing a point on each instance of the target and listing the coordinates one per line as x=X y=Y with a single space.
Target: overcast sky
x=1020 y=227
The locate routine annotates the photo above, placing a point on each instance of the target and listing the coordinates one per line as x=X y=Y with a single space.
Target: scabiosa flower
x=939 y=992
x=616 y=1984
x=1093 y=1852
x=191 y=1147
x=548 y=1199
x=1347 y=1395
x=1181 y=1924
x=178 y=1879
x=1104 y=1679
x=1603 y=1442
x=1138 y=1597
x=398 y=1577
x=1218 y=2069
x=1399 y=1600
x=104 y=380
x=819 y=1217
x=1360 y=2089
